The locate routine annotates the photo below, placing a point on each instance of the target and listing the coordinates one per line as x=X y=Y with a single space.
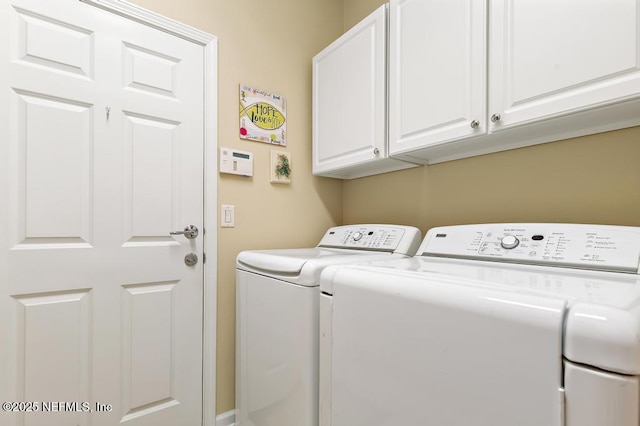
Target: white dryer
x=277 y=319
x=489 y=325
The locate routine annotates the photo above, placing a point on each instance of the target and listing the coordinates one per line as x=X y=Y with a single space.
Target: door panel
x=37 y=33
x=102 y=156
x=54 y=326
x=52 y=168
x=151 y=173
x=147 y=334
x=150 y=71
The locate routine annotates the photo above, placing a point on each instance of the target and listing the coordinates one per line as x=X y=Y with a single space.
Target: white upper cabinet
x=549 y=58
x=437 y=73
x=350 y=103
x=469 y=77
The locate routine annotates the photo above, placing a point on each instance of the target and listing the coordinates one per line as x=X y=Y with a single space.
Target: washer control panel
x=389 y=238
x=602 y=247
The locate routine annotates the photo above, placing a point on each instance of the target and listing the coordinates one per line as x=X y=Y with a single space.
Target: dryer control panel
x=600 y=247
x=389 y=238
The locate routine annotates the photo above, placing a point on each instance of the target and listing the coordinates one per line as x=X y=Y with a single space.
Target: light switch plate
x=227 y=216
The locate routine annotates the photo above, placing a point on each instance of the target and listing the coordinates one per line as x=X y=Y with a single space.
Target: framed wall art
x=263 y=116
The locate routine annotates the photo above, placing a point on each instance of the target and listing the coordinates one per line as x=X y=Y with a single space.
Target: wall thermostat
x=236 y=162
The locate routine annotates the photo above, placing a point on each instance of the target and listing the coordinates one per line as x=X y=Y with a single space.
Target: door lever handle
x=190 y=232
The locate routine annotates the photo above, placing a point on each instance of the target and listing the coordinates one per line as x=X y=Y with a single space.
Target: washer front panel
x=388 y=238
x=599 y=247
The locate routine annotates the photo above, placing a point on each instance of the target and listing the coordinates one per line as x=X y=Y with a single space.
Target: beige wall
x=593 y=179
x=268 y=44
x=355 y=10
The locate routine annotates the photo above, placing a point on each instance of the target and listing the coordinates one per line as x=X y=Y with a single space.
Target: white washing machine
x=277 y=319
x=489 y=325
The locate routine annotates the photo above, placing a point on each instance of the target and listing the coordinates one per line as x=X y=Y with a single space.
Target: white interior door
x=101 y=157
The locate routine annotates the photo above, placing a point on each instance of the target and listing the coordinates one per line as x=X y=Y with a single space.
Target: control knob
x=357 y=236
x=509 y=242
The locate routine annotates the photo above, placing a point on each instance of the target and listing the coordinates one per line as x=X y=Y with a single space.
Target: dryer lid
x=502 y=348
x=602 y=323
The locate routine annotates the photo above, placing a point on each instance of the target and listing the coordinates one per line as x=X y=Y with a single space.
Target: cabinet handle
x=376 y=151
x=495 y=118
x=475 y=124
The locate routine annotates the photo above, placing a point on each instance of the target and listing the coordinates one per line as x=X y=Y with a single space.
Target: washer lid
x=339 y=245
x=303 y=266
x=290 y=261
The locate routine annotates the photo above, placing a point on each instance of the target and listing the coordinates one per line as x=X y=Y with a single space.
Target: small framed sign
x=280 y=167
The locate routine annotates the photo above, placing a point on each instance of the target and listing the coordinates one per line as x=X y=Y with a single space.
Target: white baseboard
x=226 y=419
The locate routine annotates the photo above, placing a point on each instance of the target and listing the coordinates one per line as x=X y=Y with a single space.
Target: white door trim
x=210 y=46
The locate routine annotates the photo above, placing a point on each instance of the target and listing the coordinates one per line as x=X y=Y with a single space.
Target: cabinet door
x=349 y=97
x=437 y=72
x=550 y=58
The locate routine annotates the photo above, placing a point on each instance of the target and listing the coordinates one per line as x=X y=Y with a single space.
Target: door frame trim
x=210 y=281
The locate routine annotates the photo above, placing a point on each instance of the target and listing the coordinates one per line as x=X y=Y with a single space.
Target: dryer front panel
x=596 y=397
x=413 y=349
